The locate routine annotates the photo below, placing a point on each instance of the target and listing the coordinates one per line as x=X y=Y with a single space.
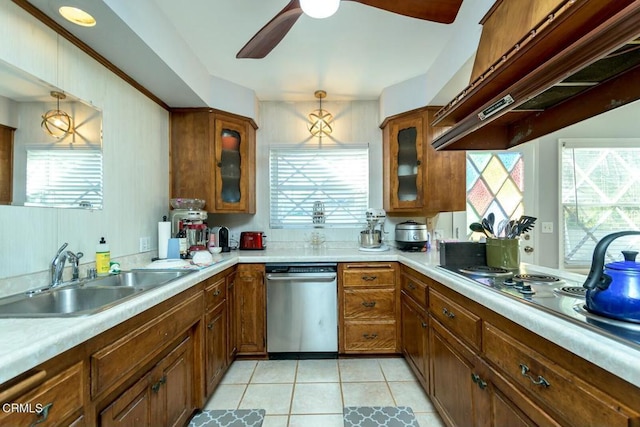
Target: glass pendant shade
x=57 y=123
x=319 y=8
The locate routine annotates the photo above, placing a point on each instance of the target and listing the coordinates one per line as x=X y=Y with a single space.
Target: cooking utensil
x=478 y=228
x=615 y=291
x=525 y=223
x=487 y=227
x=491 y=219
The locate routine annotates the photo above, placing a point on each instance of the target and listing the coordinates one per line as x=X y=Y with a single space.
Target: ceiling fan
x=442 y=11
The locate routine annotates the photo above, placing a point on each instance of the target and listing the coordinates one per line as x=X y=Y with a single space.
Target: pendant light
x=57 y=123
x=320 y=121
x=319 y=8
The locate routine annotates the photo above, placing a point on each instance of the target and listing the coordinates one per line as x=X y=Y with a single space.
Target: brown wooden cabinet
x=232 y=339
x=216 y=330
x=6 y=164
x=213 y=158
x=368 y=306
x=417 y=179
x=250 y=308
x=415 y=324
x=162 y=397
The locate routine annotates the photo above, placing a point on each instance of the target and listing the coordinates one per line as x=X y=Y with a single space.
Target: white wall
x=134 y=128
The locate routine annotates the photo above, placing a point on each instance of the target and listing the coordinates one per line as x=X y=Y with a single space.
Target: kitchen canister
x=503 y=253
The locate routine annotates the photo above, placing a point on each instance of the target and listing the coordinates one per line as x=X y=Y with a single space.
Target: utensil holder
x=503 y=253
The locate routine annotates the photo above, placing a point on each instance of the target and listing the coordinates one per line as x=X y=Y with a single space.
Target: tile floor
x=312 y=393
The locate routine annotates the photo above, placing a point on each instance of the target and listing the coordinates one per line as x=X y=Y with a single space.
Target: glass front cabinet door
x=403 y=158
x=234 y=151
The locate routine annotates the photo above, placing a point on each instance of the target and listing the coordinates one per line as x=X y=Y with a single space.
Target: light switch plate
x=145 y=244
x=547 y=227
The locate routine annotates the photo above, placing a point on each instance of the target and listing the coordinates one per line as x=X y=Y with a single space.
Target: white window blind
x=64 y=178
x=337 y=177
x=600 y=195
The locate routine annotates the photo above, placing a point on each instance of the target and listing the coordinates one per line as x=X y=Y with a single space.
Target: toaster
x=253 y=240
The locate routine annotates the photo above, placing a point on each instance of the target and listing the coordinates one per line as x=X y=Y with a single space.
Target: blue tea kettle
x=615 y=291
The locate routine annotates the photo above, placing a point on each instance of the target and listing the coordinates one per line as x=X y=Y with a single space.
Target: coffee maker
x=221 y=234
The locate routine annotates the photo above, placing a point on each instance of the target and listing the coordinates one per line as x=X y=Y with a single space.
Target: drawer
x=384 y=275
x=374 y=304
x=372 y=337
x=215 y=293
x=57 y=398
x=415 y=289
x=460 y=321
x=573 y=399
x=117 y=361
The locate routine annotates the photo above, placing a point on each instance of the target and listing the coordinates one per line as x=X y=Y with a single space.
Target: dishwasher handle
x=308 y=277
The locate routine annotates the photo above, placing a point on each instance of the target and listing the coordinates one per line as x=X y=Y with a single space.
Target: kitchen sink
x=86 y=297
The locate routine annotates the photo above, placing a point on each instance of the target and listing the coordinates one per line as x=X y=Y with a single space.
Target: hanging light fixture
x=320 y=120
x=57 y=123
x=319 y=8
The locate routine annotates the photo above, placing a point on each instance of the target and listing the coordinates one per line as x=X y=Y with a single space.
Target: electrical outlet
x=145 y=244
x=547 y=227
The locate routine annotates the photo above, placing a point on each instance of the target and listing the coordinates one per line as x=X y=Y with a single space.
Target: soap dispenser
x=103 y=257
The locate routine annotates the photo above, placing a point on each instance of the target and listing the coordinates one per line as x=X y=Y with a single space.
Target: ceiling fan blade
x=271 y=34
x=443 y=11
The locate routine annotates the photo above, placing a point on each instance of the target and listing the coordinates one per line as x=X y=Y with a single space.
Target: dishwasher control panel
x=323 y=267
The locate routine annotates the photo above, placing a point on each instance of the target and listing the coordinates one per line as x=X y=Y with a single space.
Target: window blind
x=64 y=178
x=337 y=177
x=600 y=194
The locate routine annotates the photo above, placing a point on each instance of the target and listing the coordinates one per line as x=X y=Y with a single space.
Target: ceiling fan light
x=319 y=8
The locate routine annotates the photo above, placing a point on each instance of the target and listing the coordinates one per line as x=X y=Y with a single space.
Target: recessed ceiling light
x=77 y=16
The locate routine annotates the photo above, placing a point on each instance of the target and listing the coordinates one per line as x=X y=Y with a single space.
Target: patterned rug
x=228 y=418
x=379 y=416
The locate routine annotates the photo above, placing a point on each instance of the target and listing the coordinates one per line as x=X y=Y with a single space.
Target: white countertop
x=28 y=342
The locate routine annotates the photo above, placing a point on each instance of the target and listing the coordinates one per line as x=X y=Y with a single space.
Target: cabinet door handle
x=476 y=379
x=424 y=325
x=541 y=381
x=156 y=386
x=369 y=304
x=370 y=336
x=216 y=292
x=210 y=326
x=219 y=164
x=411 y=286
x=42 y=414
x=369 y=278
x=449 y=314
x=418 y=162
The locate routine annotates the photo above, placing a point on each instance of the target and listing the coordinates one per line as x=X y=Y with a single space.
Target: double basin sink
x=86 y=297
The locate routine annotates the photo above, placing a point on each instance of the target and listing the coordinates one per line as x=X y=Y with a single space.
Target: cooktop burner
x=538 y=278
x=572 y=291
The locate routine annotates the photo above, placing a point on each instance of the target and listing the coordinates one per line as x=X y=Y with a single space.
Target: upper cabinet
x=542 y=66
x=213 y=158
x=417 y=179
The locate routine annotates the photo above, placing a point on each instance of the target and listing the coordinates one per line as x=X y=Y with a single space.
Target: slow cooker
x=411 y=236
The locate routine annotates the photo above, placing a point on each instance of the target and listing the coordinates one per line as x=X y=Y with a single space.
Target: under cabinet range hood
x=579 y=59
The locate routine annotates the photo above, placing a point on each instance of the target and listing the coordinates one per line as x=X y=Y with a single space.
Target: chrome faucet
x=57 y=265
x=75 y=262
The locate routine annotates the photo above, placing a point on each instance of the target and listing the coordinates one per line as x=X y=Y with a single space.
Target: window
x=64 y=178
x=337 y=177
x=495 y=183
x=600 y=195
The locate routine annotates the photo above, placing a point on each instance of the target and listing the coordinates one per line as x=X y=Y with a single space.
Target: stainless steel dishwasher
x=302 y=310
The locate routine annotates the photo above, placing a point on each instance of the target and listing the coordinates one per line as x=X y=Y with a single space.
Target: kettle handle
x=596 y=277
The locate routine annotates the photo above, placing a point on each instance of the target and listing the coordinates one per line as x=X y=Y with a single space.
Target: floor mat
x=379 y=416
x=228 y=418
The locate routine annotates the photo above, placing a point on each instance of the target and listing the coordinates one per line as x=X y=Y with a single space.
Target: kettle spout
x=597 y=278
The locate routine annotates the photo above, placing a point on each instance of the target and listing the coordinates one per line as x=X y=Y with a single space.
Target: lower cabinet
x=163 y=397
x=415 y=338
x=215 y=332
x=250 y=308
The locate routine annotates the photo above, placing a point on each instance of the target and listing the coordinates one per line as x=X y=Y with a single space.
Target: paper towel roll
x=164 y=234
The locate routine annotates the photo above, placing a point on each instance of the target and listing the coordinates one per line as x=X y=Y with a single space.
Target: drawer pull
x=476 y=379
x=424 y=325
x=449 y=314
x=369 y=304
x=156 y=386
x=210 y=326
x=524 y=369
x=216 y=292
x=370 y=336
x=42 y=414
x=411 y=286
x=369 y=278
